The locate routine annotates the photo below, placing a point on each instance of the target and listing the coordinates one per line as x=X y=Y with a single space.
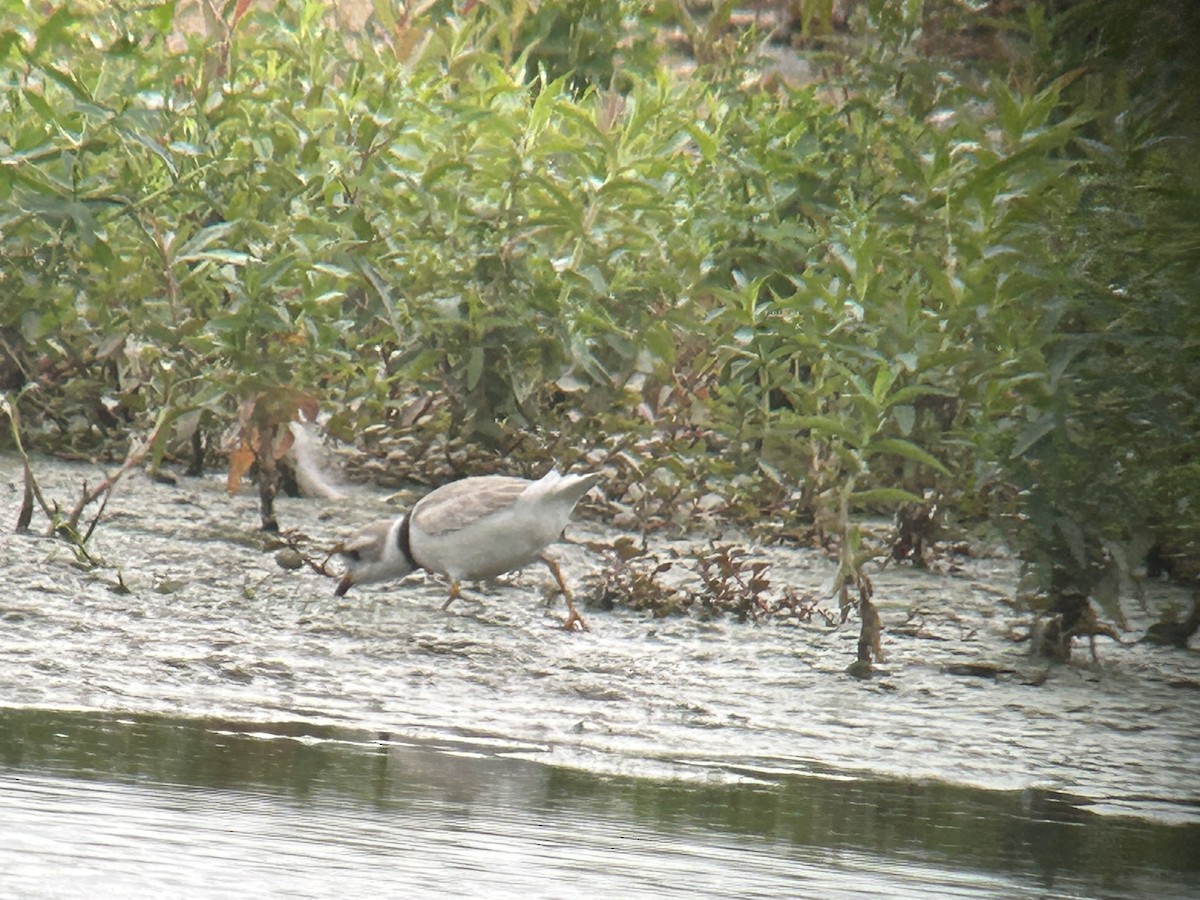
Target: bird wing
x=456 y=505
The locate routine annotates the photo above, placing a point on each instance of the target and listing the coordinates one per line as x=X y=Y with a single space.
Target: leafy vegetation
x=950 y=291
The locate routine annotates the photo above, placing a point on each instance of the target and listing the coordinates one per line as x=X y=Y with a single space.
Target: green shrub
x=913 y=284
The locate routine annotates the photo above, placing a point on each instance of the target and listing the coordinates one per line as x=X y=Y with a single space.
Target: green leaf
x=1032 y=433
x=102 y=253
x=911 y=392
x=544 y=105
x=162 y=16
x=474 y=367
x=43 y=109
x=52 y=31
x=1059 y=362
x=8 y=40
x=660 y=342
x=908 y=450
x=154 y=147
x=200 y=241
x=70 y=82
x=705 y=142
x=224 y=257
x=823 y=426
x=162 y=431
x=1073 y=537
x=888 y=496
x=386 y=14
x=436 y=173
x=884 y=380
x=331 y=269
x=232 y=322
x=184 y=148
x=848 y=262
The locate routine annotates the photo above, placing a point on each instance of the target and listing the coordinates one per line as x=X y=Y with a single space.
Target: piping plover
x=471 y=530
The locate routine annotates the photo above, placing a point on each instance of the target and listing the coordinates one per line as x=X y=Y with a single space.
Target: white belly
x=488 y=547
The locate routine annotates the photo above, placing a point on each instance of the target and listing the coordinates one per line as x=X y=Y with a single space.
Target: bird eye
x=351 y=554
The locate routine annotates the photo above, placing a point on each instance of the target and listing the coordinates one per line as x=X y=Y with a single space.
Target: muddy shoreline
x=212 y=627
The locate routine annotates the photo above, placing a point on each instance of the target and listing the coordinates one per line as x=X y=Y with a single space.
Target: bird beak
x=343 y=585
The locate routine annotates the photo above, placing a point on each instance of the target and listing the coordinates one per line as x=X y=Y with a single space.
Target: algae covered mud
x=222 y=725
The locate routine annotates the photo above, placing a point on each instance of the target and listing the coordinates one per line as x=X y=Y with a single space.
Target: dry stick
x=32 y=490
x=322 y=567
x=134 y=458
x=96 y=518
x=26 y=374
x=26 y=513
x=70 y=534
x=268 y=477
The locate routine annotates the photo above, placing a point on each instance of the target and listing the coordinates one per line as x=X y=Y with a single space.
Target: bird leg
x=574 y=620
x=454 y=595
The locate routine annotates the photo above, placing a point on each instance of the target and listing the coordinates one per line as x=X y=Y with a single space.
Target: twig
x=70 y=527
x=17 y=361
x=32 y=490
x=71 y=535
x=96 y=518
x=26 y=513
x=268 y=476
x=134 y=458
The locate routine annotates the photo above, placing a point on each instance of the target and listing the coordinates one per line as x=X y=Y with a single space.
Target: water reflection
x=149 y=805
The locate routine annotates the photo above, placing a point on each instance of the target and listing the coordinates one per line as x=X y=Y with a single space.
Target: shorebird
x=471 y=530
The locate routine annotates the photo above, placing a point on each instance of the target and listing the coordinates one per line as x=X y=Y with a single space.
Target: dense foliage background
x=814 y=262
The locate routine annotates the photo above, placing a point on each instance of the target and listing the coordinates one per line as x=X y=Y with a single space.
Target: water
x=148 y=806
x=228 y=727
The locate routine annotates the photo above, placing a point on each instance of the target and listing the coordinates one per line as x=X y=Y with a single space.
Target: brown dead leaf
x=283 y=442
x=240 y=461
x=240 y=10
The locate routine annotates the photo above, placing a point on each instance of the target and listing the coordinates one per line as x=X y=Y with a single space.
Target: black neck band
x=404 y=543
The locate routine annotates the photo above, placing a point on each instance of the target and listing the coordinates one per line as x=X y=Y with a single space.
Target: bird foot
x=455 y=593
x=575 y=622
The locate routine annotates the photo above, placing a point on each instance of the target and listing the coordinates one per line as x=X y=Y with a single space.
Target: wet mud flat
x=212 y=637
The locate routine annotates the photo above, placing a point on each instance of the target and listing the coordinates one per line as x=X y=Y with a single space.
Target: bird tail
x=563 y=488
x=575 y=486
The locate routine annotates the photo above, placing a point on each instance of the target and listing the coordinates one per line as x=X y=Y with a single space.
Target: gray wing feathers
x=458 y=504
